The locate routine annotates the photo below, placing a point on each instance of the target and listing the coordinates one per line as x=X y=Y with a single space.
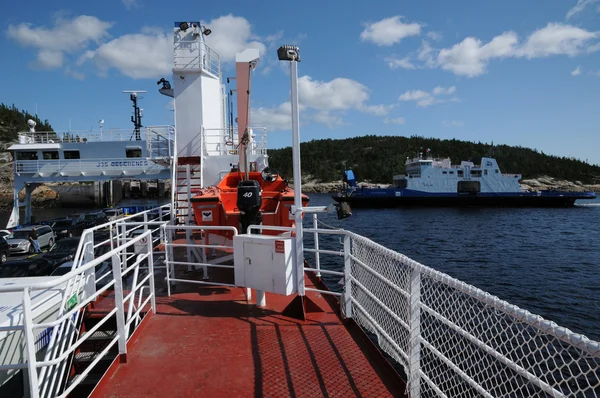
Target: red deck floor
x=211 y=342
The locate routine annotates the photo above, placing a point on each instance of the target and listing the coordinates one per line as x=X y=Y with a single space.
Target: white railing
x=196 y=54
x=160 y=141
x=220 y=142
x=83 y=136
x=452 y=339
x=44 y=376
x=126 y=253
x=196 y=253
x=95 y=166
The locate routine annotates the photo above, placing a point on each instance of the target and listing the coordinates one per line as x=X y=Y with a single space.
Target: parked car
x=66 y=227
x=102 y=270
x=96 y=218
x=80 y=219
x=19 y=239
x=114 y=214
x=4 y=233
x=63 y=250
x=33 y=266
x=4 y=250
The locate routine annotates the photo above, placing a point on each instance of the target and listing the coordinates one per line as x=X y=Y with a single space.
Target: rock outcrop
x=549 y=183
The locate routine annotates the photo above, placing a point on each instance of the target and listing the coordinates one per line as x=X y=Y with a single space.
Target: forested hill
x=378 y=158
x=13 y=120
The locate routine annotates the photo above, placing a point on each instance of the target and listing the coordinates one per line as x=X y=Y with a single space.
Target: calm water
x=546 y=261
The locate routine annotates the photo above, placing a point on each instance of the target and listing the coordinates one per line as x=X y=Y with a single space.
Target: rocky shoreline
x=44 y=197
x=543 y=183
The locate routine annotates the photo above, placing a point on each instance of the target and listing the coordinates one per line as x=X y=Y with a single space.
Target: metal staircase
x=187 y=184
x=160 y=143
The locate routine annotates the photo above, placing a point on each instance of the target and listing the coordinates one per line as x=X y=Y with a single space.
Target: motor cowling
x=249 y=200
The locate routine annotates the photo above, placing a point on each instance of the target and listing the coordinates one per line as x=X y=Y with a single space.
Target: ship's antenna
x=136 y=119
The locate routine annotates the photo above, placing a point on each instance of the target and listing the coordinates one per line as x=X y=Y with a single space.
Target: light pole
x=101 y=122
x=292 y=54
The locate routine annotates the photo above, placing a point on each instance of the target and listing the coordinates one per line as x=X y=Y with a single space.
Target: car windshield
x=100 y=250
x=110 y=213
x=62 y=224
x=90 y=217
x=17 y=270
x=20 y=234
x=62 y=246
x=61 y=271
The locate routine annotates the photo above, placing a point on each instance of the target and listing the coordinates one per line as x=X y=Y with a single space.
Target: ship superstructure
x=142 y=153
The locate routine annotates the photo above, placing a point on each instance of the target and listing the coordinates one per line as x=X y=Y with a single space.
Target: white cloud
x=556 y=39
x=389 y=31
x=434 y=35
x=395 y=120
x=50 y=59
x=147 y=54
x=414 y=95
x=338 y=94
x=327 y=118
x=274 y=119
x=322 y=102
x=471 y=56
x=579 y=7
x=576 y=71
x=139 y=55
x=403 y=63
x=129 y=4
x=231 y=35
x=425 y=99
x=377 y=110
x=453 y=123
x=66 y=36
x=441 y=90
x=74 y=74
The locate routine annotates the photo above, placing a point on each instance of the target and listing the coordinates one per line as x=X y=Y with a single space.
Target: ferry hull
x=566 y=199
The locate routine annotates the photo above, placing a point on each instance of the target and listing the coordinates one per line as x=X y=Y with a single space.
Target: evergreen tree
x=378 y=158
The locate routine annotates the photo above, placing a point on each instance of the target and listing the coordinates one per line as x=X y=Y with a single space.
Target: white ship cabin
x=440 y=176
x=93 y=155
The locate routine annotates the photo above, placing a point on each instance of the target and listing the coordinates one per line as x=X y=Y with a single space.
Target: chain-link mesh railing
x=455 y=340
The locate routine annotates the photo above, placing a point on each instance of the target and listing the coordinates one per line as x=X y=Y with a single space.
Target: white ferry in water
x=436 y=182
x=211 y=295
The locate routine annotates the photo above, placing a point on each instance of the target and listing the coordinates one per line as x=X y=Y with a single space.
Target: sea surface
x=546 y=261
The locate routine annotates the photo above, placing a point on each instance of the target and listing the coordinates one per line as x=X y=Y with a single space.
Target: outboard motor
x=248 y=202
x=343 y=210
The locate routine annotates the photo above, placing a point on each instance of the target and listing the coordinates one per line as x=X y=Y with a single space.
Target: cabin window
x=27 y=155
x=451 y=172
x=71 y=154
x=497 y=171
x=475 y=173
x=444 y=172
x=485 y=172
x=133 y=152
x=50 y=155
x=460 y=172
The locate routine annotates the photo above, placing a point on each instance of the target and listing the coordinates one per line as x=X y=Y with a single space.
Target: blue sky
x=512 y=72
